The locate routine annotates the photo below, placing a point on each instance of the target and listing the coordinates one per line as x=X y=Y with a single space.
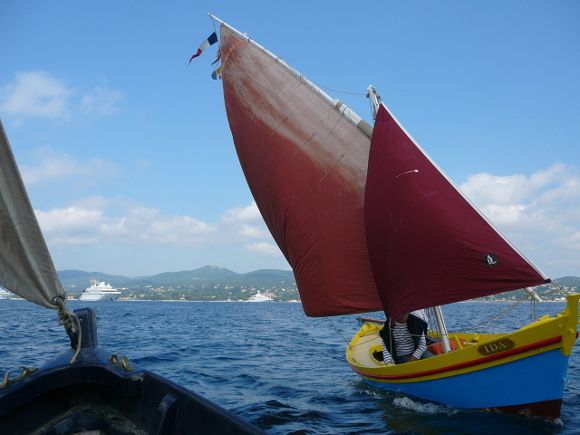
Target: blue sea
x=273 y=366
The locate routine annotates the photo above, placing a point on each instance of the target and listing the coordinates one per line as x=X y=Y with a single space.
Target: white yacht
x=99 y=291
x=259 y=297
x=4 y=294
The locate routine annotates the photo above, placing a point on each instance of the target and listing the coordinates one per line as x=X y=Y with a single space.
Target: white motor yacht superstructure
x=100 y=291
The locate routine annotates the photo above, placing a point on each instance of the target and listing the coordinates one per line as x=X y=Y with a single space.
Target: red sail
x=428 y=245
x=305 y=163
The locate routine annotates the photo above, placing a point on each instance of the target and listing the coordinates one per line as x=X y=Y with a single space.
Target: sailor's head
x=403 y=318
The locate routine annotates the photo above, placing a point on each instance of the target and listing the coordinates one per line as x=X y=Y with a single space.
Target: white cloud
x=540 y=213
x=55 y=166
x=264 y=248
x=72 y=218
x=507 y=190
x=253 y=231
x=571 y=241
x=242 y=214
x=39 y=94
x=245 y=223
x=36 y=94
x=70 y=226
x=101 y=101
x=149 y=225
x=505 y=214
x=80 y=224
x=71 y=240
x=98 y=220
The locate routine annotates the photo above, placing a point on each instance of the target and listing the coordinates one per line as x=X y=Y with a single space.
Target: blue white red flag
x=212 y=39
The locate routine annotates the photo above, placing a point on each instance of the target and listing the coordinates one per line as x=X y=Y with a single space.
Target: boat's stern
x=362 y=349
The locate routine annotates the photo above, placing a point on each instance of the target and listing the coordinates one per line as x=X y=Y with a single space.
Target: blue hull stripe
x=533 y=379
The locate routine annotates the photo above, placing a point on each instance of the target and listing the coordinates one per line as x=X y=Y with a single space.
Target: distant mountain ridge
x=73 y=276
x=75 y=281
x=218 y=283
x=570 y=281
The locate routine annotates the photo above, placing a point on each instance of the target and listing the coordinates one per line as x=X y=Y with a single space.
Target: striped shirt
x=404 y=343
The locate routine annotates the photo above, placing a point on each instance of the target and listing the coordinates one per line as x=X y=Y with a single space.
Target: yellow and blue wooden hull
x=522 y=372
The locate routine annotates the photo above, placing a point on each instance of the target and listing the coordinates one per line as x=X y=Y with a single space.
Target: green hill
x=570 y=281
x=218 y=283
x=204 y=283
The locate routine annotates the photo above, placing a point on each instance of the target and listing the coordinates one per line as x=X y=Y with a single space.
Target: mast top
x=375 y=100
x=213 y=17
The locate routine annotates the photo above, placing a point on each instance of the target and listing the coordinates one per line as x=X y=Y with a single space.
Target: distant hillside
x=570 y=281
x=205 y=274
x=569 y=284
x=204 y=281
x=218 y=283
x=78 y=279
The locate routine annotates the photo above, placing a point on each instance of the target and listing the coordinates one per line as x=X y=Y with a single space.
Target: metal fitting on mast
x=375 y=100
x=535 y=298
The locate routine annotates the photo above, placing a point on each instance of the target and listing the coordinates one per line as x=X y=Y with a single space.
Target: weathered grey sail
x=26 y=267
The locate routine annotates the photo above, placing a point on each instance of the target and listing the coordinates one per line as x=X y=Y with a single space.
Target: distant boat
x=5 y=294
x=368 y=222
x=100 y=291
x=260 y=297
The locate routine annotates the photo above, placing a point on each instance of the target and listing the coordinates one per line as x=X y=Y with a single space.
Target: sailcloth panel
x=306 y=167
x=428 y=245
x=25 y=264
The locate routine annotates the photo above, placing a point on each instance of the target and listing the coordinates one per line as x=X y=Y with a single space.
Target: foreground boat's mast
x=442 y=329
x=375 y=100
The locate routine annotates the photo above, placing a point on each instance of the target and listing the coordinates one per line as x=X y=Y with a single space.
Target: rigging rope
x=337 y=329
x=372 y=338
x=364 y=94
x=555 y=288
x=478 y=329
x=71 y=323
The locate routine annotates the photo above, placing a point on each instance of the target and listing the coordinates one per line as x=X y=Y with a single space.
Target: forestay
x=26 y=267
x=306 y=165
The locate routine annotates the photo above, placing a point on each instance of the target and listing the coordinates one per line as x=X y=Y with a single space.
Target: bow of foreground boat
x=521 y=372
x=104 y=393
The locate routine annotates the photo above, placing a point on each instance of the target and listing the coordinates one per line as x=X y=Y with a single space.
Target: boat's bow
x=105 y=393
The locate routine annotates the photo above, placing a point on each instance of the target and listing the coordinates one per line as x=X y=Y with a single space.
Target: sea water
x=271 y=365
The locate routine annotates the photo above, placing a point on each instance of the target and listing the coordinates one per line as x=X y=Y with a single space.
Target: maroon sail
x=428 y=245
x=305 y=161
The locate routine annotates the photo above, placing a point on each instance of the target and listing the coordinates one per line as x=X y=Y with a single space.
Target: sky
x=128 y=158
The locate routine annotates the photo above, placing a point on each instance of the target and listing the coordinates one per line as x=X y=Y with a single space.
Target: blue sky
x=128 y=158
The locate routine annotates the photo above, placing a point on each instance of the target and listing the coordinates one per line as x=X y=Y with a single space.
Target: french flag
x=212 y=39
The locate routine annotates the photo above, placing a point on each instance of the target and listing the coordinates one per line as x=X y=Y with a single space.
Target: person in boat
x=404 y=340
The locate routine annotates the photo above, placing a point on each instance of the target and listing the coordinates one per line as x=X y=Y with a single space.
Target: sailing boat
x=86 y=389
x=368 y=222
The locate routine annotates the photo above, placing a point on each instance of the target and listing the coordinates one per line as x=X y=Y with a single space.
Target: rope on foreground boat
x=364 y=342
x=479 y=328
x=555 y=288
x=24 y=373
x=338 y=330
x=71 y=323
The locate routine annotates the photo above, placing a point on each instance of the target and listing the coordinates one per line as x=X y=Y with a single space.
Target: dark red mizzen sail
x=306 y=166
x=428 y=245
